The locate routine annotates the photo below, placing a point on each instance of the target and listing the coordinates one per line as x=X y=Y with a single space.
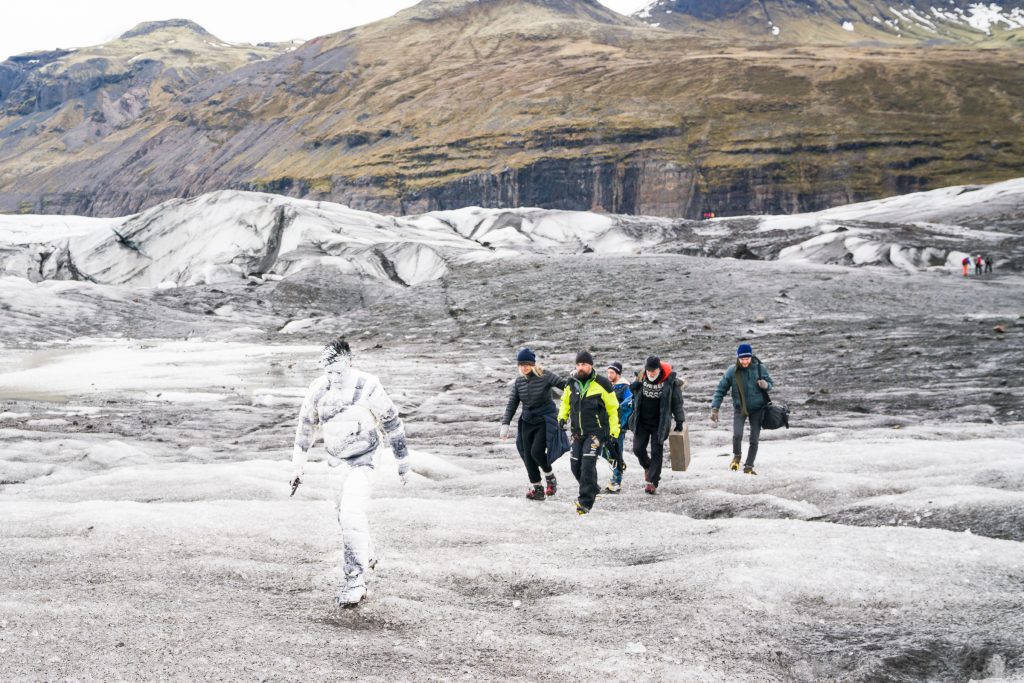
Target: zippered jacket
x=351 y=414
x=752 y=394
x=671 y=405
x=625 y=397
x=590 y=406
x=533 y=392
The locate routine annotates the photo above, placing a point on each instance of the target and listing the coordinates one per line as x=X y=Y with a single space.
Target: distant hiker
x=625 y=398
x=988 y=264
x=351 y=409
x=592 y=412
x=966 y=263
x=979 y=267
x=745 y=379
x=538 y=439
x=657 y=400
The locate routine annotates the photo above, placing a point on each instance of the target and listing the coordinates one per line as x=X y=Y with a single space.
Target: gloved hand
x=763 y=383
x=714 y=415
x=404 y=477
x=503 y=432
x=295 y=481
x=679 y=427
x=561 y=425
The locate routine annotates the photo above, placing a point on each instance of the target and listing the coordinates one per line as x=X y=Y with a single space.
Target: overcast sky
x=28 y=26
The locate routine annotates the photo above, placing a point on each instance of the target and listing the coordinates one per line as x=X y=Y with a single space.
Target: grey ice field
x=148 y=407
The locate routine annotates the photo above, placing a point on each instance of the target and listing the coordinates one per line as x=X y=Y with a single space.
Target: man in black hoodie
x=657 y=398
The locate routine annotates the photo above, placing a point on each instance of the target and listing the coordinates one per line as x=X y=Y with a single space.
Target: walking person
x=538 y=438
x=966 y=263
x=592 y=412
x=657 y=400
x=351 y=409
x=746 y=380
x=625 y=398
x=988 y=265
x=978 y=265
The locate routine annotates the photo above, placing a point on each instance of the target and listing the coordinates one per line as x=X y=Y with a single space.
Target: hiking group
x=598 y=410
x=982 y=265
x=354 y=414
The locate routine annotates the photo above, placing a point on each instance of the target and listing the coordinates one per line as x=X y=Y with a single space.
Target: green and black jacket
x=590 y=406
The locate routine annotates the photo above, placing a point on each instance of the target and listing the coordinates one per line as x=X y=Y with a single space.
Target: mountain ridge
x=506 y=103
x=844 y=21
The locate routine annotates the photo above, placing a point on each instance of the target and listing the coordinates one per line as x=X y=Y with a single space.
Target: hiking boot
x=735 y=464
x=748 y=469
x=613 y=487
x=552 y=485
x=352 y=592
x=536 y=493
x=580 y=510
x=650 y=488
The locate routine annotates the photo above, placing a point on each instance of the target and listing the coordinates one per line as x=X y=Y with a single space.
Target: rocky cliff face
x=547 y=103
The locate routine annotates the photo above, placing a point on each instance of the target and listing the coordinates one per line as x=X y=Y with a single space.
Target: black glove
x=561 y=425
x=679 y=426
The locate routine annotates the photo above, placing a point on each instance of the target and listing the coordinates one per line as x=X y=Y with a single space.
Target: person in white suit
x=351 y=409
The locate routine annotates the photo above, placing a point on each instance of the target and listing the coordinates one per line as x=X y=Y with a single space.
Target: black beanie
x=526 y=355
x=617 y=367
x=585 y=357
x=653 y=363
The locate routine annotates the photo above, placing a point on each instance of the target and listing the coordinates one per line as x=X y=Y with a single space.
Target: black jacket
x=671 y=401
x=533 y=392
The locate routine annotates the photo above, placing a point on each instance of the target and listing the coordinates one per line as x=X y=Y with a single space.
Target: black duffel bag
x=775 y=414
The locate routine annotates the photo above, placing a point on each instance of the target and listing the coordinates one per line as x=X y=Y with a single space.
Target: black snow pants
x=652 y=464
x=584 y=466
x=535 y=449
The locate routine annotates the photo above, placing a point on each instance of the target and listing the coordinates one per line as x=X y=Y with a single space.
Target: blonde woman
x=539 y=440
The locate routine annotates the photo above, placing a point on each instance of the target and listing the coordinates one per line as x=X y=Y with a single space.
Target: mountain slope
x=58 y=104
x=548 y=103
x=844 y=21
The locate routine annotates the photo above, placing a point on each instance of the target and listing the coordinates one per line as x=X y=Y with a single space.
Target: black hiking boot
x=552 y=484
x=536 y=493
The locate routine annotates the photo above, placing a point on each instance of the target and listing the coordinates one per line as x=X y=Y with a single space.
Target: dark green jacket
x=751 y=392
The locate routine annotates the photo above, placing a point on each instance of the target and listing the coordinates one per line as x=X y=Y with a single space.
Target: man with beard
x=748 y=379
x=657 y=398
x=592 y=412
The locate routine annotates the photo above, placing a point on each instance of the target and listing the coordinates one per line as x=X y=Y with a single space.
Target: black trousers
x=535 y=449
x=755 y=417
x=584 y=466
x=653 y=463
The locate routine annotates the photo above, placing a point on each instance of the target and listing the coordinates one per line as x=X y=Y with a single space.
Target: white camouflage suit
x=352 y=409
